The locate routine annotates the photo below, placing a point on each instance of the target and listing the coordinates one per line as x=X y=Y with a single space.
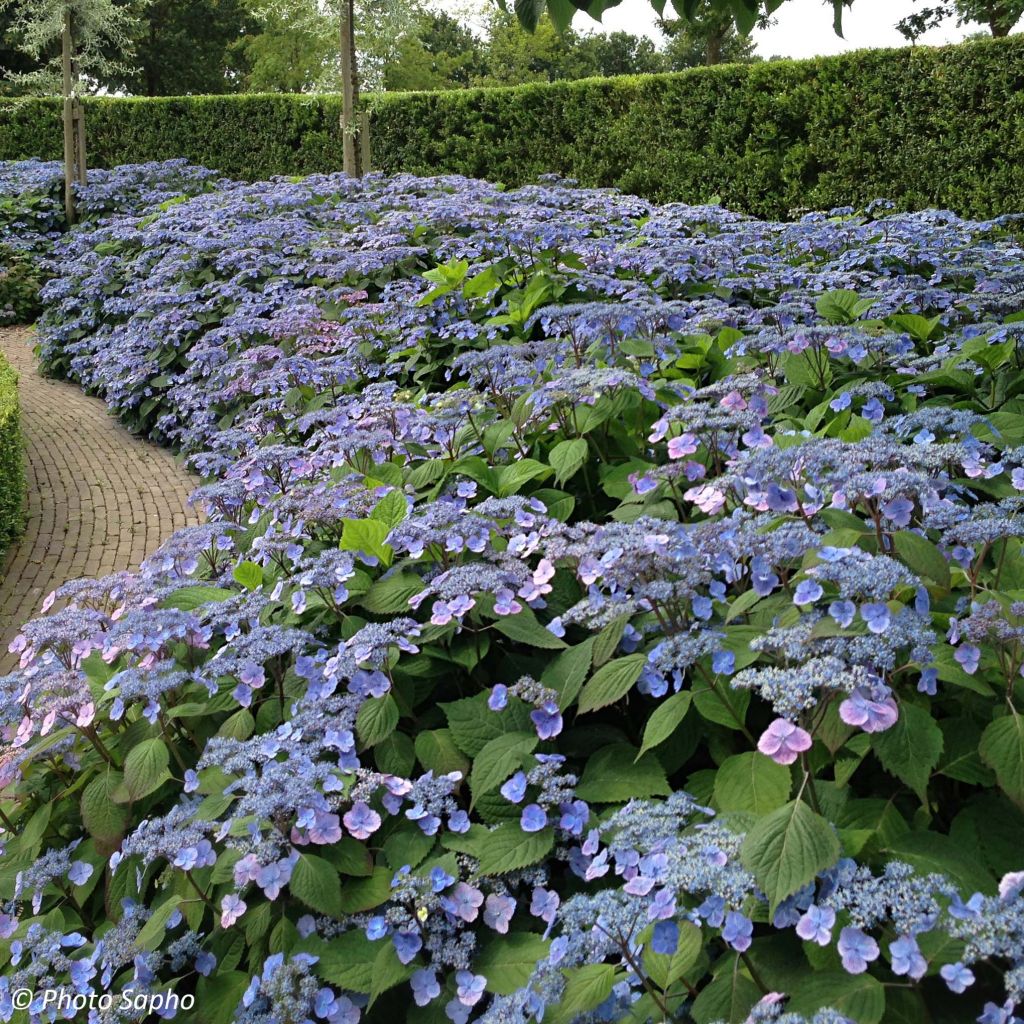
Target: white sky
x=803 y=27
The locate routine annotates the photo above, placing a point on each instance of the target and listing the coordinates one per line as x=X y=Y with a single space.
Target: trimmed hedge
x=923 y=127
x=12 y=467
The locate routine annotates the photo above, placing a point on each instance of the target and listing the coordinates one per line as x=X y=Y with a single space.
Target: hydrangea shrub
x=604 y=612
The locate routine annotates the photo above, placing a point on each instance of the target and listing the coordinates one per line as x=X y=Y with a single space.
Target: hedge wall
x=924 y=127
x=12 y=468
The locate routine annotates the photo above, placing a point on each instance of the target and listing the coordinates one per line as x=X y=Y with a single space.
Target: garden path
x=99 y=498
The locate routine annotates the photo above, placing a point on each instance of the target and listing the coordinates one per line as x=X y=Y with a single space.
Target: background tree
x=620 y=53
x=998 y=16
x=185 y=47
x=14 y=62
x=441 y=53
x=708 y=37
x=75 y=45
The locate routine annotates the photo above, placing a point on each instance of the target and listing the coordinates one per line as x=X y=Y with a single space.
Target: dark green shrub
x=923 y=127
x=12 y=468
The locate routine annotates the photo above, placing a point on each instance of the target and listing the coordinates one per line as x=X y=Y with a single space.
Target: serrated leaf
x=376 y=719
x=152 y=932
x=751 y=782
x=316 y=883
x=728 y=998
x=1002 y=749
x=787 y=848
x=608 y=639
x=189 y=598
x=145 y=769
x=585 y=989
x=391 y=595
x=367 y=537
x=858 y=997
x=105 y=820
x=500 y=758
x=666 y=969
x=436 y=751
x=473 y=723
x=911 y=748
x=664 y=720
x=616 y=774
x=568 y=671
x=567 y=458
x=509 y=848
x=508 y=961
x=611 y=682
x=524 y=628
x=922 y=556
x=248 y=574
x=391 y=509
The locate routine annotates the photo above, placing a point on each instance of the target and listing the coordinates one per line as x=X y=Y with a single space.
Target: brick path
x=99 y=499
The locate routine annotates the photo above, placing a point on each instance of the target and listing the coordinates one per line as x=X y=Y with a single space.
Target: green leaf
x=722 y=704
x=567 y=458
x=585 y=989
x=751 y=782
x=218 y=996
x=728 y=998
x=472 y=722
x=508 y=961
x=841 y=306
x=152 y=933
x=391 y=509
x=388 y=972
x=187 y=599
x=663 y=969
x=524 y=628
x=508 y=848
x=360 y=894
x=515 y=474
x=616 y=774
x=1002 y=749
x=376 y=719
x=500 y=758
x=608 y=639
x=436 y=751
x=922 y=556
x=911 y=748
x=665 y=719
x=105 y=820
x=933 y=852
x=611 y=682
x=248 y=574
x=367 y=536
x=145 y=770
x=391 y=594
x=352 y=961
x=859 y=997
x=567 y=672
x=316 y=883
x=787 y=848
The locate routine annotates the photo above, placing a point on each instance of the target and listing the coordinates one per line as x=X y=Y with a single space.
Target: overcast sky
x=803 y=27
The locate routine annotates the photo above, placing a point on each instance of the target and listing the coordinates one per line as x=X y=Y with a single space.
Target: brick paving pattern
x=99 y=499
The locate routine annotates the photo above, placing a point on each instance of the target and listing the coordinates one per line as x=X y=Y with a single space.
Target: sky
x=803 y=27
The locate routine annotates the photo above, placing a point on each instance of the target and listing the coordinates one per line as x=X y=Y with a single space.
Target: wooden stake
x=349 y=154
x=70 y=162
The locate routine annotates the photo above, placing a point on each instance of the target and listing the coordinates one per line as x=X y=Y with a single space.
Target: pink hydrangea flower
x=783 y=741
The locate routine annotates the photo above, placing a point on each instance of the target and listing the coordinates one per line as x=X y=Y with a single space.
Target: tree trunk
x=713 y=49
x=349 y=90
x=70 y=162
x=75 y=170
